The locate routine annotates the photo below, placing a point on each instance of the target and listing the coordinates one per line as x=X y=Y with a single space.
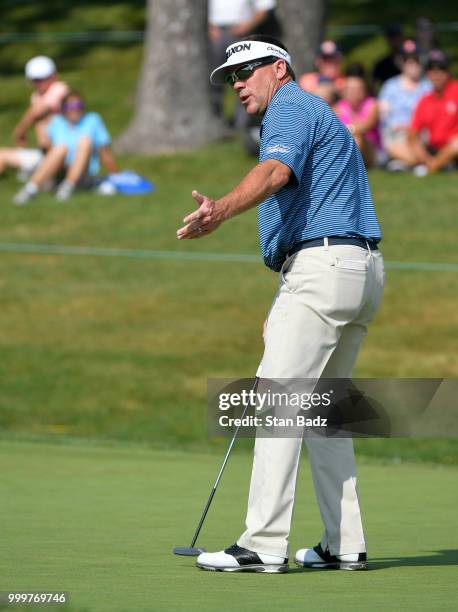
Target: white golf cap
x=244 y=52
x=40 y=67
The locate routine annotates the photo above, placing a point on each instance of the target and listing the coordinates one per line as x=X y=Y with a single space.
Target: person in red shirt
x=436 y=117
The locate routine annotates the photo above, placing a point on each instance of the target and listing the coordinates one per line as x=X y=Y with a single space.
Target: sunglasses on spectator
x=72 y=106
x=244 y=72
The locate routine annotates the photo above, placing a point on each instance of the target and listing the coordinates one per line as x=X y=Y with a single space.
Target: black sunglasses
x=242 y=73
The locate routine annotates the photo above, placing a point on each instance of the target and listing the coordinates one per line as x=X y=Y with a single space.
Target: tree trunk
x=303 y=29
x=172 y=109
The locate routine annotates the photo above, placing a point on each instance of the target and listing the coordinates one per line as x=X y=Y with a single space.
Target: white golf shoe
x=237 y=559
x=317 y=558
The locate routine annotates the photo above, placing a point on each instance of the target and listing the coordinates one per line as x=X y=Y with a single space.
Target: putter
x=193 y=551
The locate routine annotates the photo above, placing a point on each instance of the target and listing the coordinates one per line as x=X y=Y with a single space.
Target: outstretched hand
x=202 y=221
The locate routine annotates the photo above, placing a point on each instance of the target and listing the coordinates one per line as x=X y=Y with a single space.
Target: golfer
x=318 y=229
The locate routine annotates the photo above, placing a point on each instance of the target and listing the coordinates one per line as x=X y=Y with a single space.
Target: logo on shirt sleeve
x=278 y=149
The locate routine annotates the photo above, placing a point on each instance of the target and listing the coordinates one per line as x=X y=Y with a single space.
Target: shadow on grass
x=435 y=558
x=439 y=557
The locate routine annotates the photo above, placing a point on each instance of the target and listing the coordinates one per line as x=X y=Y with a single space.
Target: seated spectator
x=390 y=65
x=358 y=111
x=78 y=139
x=397 y=100
x=329 y=71
x=433 y=134
x=325 y=89
x=45 y=102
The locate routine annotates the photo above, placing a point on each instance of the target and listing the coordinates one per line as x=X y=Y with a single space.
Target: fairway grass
x=100 y=522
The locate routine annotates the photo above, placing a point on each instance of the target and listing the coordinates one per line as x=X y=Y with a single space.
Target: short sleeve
x=95 y=128
x=57 y=131
x=286 y=137
x=385 y=92
x=369 y=104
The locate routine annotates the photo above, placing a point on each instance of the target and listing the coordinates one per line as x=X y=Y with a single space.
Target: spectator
x=45 y=101
x=231 y=20
x=436 y=118
x=425 y=39
x=329 y=71
x=325 y=89
x=390 y=65
x=77 y=139
x=358 y=111
x=397 y=100
x=356 y=69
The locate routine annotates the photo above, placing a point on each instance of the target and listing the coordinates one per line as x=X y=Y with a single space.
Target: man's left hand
x=203 y=221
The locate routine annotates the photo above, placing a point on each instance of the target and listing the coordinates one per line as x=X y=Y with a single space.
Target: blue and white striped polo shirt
x=328 y=194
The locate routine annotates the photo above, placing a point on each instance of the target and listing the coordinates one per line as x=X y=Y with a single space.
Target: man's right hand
x=202 y=221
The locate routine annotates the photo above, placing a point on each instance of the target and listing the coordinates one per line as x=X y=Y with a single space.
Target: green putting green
x=100 y=522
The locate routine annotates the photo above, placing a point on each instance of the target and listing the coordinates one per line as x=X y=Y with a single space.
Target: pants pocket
x=351 y=264
x=284 y=272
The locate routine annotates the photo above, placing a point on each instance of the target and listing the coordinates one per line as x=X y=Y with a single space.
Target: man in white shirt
x=228 y=21
x=45 y=101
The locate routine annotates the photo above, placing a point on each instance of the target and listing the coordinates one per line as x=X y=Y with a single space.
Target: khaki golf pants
x=326 y=298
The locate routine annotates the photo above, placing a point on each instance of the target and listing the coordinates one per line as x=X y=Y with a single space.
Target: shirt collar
x=281 y=89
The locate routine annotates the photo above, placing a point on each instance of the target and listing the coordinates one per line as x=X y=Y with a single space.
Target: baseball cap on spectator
x=437 y=59
x=409 y=49
x=329 y=49
x=40 y=67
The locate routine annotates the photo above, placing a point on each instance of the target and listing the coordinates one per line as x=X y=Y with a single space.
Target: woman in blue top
x=79 y=140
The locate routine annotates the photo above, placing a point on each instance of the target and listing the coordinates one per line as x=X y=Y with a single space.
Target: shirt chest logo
x=450 y=107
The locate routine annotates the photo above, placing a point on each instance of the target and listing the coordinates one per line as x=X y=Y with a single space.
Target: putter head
x=187 y=551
